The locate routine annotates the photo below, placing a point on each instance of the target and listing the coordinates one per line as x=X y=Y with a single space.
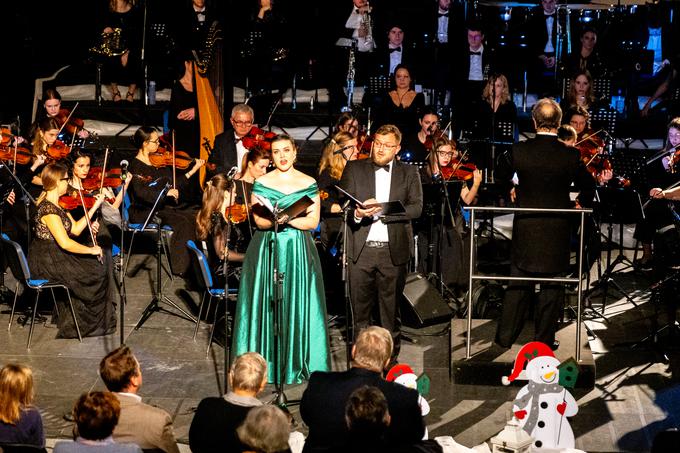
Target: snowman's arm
x=572 y=405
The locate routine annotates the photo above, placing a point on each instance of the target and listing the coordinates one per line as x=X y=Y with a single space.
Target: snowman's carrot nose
x=549 y=376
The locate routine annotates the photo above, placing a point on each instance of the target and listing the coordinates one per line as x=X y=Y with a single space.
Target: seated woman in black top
x=148 y=182
x=402 y=104
x=415 y=146
x=498 y=107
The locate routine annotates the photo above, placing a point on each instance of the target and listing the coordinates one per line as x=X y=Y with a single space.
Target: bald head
x=547 y=115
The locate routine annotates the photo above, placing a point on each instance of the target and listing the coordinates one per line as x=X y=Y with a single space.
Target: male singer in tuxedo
x=379 y=247
x=546 y=169
x=228 y=151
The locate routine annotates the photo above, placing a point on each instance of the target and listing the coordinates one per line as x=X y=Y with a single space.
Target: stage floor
x=634 y=396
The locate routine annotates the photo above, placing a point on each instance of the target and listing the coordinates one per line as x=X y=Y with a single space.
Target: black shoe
x=555 y=344
x=643 y=264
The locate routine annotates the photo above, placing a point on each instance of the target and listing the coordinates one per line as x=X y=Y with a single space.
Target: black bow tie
x=475 y=53
x=446 y=14
x=549 y=15
x=385 y=167
x=200 y=13
x=396 y=49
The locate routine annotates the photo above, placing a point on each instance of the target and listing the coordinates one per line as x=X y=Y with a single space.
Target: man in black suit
x=228 y=151
x=380 y=246
x=546 y=169
x=395 y=53
x=542 y=44
x=323 y=404
x=445 y=24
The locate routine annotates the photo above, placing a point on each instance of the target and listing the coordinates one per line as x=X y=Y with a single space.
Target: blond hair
x=16 y=392
x=332 y=159
x=386 y=129
x=248 y=371
x=373 y=348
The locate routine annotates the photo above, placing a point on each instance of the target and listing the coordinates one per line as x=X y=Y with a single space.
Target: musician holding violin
x=151 y=173
x=56 y=256
x=591 y=147
x=69 y=124
x=229 y=147
x=448 y=256
x=417 y=145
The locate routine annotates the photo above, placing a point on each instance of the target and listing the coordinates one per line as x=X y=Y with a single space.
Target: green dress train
x=304 y=335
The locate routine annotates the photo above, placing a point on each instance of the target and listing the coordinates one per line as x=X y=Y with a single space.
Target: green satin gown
x=304 y=335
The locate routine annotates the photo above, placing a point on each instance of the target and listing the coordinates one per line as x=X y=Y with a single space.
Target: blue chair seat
x=36 y=283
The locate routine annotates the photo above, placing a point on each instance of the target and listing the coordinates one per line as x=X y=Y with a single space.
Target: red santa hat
x=528 y=352
x=397 y=370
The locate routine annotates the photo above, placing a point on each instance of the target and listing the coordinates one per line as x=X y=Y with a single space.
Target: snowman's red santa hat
x=528 y=352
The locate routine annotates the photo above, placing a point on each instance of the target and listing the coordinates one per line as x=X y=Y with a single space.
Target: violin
x=111 y=178
x=458 y=170
x=58 y=150
x=236 y=213
x=258 y=137
x=591 y=146
x=430 y=138
x=23 y=155
x=68 y=122
x=163 y=158
x=364 y=145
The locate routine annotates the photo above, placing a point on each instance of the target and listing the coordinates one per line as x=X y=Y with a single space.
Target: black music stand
x=602 y=88
x=604 y=118
x=631 y=166
x=620 y=206
x=159 y=297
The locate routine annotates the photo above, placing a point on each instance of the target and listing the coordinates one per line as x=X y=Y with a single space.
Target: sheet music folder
x=291 y=211
x=388 y=207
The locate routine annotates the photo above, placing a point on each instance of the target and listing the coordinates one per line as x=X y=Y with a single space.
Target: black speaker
x=423 y=305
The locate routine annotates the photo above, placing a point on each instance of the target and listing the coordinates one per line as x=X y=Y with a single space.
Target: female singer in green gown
x=303 y=337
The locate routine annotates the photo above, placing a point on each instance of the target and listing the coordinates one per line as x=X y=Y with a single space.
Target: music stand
x=602 y=88
x=604 y=118
x=159 y=297
x=630 y=165
x=617 y=205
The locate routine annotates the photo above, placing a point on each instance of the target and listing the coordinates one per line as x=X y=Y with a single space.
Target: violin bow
x=89 y=224
x=16 y=150
x=462 y=157
x=174 y=161
x=587 y=137
x=106 y=159
x=68 y=118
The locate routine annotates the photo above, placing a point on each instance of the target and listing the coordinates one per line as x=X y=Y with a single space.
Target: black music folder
x=291 y=211
x=387 y=207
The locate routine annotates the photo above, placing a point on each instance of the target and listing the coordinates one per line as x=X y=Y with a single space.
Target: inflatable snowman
x=543 y=405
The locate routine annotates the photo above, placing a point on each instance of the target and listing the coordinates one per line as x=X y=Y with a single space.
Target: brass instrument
x=110 y=44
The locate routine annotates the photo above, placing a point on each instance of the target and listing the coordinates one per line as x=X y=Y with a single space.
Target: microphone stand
x=28 y=199
x=121 y=277
x=348 y=298
x=280 y=397
x=226 y=234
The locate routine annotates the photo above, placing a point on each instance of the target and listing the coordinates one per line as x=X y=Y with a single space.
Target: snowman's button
x=544 y=405
x=538 y=444
x=541 y=424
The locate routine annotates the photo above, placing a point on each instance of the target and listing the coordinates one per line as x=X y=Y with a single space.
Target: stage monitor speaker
x=423 y=305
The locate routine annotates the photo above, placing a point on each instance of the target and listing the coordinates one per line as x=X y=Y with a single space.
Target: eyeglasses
x=242 y=123
x=445 y=153
x=157 y=141
x=388 y=146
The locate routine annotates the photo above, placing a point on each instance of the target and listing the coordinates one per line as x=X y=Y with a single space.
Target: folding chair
x=210 y=291
x=19 y=266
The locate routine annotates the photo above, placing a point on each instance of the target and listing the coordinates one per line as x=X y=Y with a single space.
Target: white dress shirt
x=443 y=28
x=240 y=152
x=395 y=59
x=383 y=180
x=476 y=70
x=549 y=23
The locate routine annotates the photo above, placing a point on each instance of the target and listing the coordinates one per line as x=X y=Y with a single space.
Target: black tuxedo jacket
x=546 y=169
x=358 y=179
x=323 y=408
x=224 y=154
x=537 y=33
x=461 y=64
x=456 y=28
x=382 y=61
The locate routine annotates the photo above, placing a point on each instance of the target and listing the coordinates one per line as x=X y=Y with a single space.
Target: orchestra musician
x=347 y=122
x=444 y=167
x=182 y=117
x=402 y=104
x=304 y=334
x=417 y=145
x=590 y=145
x=581 y=93
x=229 y=148
x=51 y=108
x=663 y=175
x=497 y=105
x=147 y=183
x=55 y=256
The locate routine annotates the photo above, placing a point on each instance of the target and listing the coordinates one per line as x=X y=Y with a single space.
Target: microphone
x=232 y=173
x=124 y=169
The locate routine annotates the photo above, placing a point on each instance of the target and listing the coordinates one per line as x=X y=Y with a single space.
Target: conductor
x=546 y=169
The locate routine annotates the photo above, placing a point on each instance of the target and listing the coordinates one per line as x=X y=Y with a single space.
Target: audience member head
x=577 y=118
x=402 y=78
x=284 y=152
x=266 y=429
x=16 y=392
x=248 y=373
x=366 y=413
x=372 y=349
x=340 y=149
x=496 y=88
x=673 y=133
x=96 y=415
x=120 y=371
x=386 y=144
x=567 y=134
x=242 y=117
x=547 y=115
x=255 y=163
x=475 y=35
x=51 y=100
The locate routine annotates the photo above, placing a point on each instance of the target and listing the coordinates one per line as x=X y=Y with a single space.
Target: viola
x=58 y=150
x=258 y=137
x=23 y=155
x=236 y=213
x=163 y=158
